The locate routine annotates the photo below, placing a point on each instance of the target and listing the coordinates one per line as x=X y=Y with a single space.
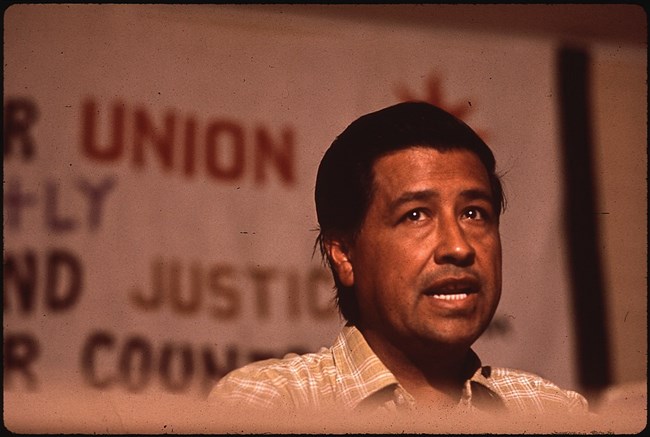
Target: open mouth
x=458 y=296
x=451 y=289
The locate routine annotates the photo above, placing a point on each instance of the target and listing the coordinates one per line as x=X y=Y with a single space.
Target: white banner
x=159 y=169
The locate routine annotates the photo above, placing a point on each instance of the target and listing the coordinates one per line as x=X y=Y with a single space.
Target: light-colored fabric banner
x=159 y=168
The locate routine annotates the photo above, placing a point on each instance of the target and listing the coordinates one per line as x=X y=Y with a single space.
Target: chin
x=455 y=338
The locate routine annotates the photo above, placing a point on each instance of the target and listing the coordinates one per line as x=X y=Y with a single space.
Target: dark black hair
x=345 y=174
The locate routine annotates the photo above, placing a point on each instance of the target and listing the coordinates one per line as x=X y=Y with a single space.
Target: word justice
x=227 y=292
x=227 y=150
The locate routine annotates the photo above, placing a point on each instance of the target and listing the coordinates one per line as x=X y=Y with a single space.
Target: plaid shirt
x=350 y=376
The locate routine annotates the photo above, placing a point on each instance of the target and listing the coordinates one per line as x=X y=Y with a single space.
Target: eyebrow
x=411 y=196
x=477 y=194
x=421 y=195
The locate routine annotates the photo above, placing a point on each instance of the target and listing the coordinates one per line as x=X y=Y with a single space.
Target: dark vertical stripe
x=582 y=221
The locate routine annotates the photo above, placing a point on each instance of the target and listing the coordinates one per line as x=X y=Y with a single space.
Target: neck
x=431 y=373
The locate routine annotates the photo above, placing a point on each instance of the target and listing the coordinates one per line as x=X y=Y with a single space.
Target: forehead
x=418 y=168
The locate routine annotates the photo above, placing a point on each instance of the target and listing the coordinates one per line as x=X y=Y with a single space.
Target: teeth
x=458 y=296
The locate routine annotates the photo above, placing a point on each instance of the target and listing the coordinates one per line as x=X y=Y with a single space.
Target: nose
x=452 y=245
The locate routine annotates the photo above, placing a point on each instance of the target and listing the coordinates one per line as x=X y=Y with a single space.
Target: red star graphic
x=435 y=97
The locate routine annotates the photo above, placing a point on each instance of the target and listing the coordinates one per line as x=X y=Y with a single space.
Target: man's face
x=426 y=263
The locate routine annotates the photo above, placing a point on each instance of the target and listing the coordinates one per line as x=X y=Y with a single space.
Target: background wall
x=158 y=183
x=620 y=86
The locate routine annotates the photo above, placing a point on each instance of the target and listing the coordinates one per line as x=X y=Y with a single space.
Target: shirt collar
x=479 y=392
x=361 y=374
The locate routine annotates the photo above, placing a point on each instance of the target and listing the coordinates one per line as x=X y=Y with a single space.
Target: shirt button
x=400 y=399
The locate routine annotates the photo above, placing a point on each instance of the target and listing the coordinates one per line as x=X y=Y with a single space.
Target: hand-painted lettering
x=20 y=114
x=134 y=362
x=223 y=291
x=58 y=217
x=61 y=285
x=20 y=353
x=225 y=150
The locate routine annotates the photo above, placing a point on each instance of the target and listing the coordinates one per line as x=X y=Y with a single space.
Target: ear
x=339 y=253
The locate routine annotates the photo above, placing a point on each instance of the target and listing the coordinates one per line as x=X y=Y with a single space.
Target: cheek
x=490 y=247
x=385 y=259
x=497 y=255
x=379 y=268
x=493 y=255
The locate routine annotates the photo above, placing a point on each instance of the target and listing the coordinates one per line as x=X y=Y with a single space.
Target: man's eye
x=414 y=215
x=475 y=214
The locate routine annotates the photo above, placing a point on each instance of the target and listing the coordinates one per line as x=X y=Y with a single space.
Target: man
x=408 y=205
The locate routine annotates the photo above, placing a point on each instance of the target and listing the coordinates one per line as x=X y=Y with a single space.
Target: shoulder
x=527 y=391
x=290 y=381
